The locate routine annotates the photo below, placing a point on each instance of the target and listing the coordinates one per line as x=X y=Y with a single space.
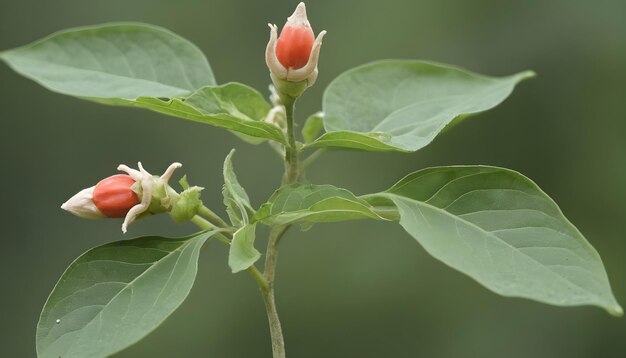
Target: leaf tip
x=616 y=310
x=527 y=75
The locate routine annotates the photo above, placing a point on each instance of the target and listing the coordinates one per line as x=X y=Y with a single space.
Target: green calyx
x=288 y=88
x=185 y=206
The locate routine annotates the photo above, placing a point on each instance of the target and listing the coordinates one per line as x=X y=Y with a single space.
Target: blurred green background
x=354 y=289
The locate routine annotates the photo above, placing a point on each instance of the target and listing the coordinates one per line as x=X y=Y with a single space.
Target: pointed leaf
x=113 y=61
x=143 y=66
x=242 y=252
x=499 y=228
x=398 y=105
x=235 y=196
x=313 y=203
x=115 y=294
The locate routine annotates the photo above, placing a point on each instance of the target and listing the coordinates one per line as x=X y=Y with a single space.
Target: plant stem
x=212 y=217
x=292 y=174
x=207 y=219
x=292 y=163
x=276 y=331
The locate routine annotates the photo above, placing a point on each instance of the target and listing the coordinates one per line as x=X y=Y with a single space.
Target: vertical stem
x=276 y=331
x=292 y=173
x=292 y=163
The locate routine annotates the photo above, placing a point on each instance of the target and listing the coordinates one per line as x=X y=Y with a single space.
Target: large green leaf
x=115 y=294
x=398 y=105
x=113 y=61
x=235 y=196
x=313 y=203
x=233 y=106
x=498 y=227
x=143 y=66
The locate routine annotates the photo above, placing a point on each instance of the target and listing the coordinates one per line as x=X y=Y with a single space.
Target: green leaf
x=235 y=196
x=113 y=61
x=312 y=127
x=115 y=294
x=233 y=106
x=313 y=203
x=242 y=253
x=398 y=105
x=143 y=66
x=498 y=227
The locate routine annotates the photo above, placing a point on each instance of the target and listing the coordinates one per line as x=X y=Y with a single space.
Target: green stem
x=292 y=163
x=292 y=174
x=207 y=219
x=276 y=331
x=212 y=217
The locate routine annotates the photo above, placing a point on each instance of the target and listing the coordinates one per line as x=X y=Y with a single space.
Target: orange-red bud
x=114 y=196
x=293 y=56
x=126 y=196
x=294 y=45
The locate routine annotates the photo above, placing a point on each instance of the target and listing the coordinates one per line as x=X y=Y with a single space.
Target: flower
x=293 y=56
x=124 y=195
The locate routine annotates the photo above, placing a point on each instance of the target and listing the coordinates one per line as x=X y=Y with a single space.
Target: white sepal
x=148 y=184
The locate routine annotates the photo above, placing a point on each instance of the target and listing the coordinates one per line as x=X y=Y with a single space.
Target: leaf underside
x=499 y=228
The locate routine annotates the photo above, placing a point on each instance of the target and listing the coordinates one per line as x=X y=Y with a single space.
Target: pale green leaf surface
x=235 y=196
x=313 y=203
x=499 y=228
x=113 y=61
x=401 y=105
x=115 y=294
x=242 y=253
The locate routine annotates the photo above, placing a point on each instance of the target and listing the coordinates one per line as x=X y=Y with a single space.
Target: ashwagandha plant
x=493 y=224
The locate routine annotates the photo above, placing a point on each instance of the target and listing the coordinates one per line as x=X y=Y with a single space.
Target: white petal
x=298 y=18
x=82 y=205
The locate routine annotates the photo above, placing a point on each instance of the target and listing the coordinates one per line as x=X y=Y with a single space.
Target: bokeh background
x=354 y=289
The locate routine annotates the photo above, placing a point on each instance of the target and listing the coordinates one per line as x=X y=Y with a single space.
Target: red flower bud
x=293 y=56
x=294 y=44
x=114 y=196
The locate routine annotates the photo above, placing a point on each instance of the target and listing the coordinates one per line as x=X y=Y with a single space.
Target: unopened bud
x=293 y=56
x=124 y=196
x=114 y=196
